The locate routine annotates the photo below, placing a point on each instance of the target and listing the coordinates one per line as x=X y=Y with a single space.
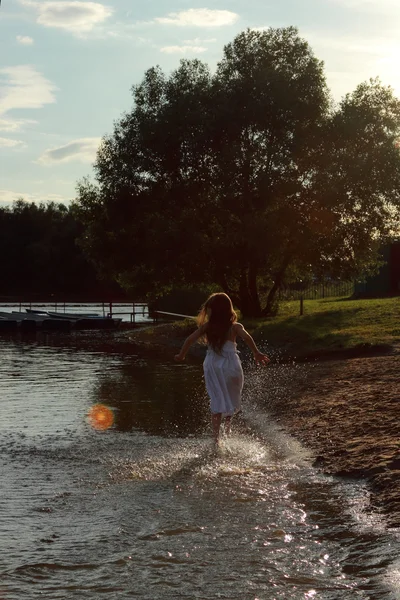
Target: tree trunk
x=277 y=283
x=256 y=308
x=249 y=301
x=246 y=298
x=225 y=286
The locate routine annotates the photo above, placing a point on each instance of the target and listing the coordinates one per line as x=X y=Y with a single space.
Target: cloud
x=74 y=16
x=9 y=143
x=197 y=41
x=15 y=124
x=23 y=87
x=199 y=17
x=82 y=150
x=7 y=197
x=183 y=49
x=25 y=40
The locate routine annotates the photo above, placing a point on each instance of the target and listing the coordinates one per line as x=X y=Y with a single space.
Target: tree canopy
x=39 y=256
x=245 y=178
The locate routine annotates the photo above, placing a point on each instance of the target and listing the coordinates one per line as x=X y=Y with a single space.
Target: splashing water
x=146 y=508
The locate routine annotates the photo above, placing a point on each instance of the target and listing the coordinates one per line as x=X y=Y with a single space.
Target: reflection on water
x=144 y=508
x=158 y=398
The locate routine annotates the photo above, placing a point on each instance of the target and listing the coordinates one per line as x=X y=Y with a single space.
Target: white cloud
x=199 y=17
x=15 y=124
x=183 y=49
x=71 y=15
x=197 y=41
x=24 y=87
x=25 y=40
x=82 y=150
x=9 y=143
x=7 y=197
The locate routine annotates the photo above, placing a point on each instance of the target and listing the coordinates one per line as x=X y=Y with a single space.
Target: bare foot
x=216 y=445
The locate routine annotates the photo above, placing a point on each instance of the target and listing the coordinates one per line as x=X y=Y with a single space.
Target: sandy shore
x=348 y=413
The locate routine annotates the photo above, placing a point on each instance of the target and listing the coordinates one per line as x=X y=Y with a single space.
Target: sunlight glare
x=101 y=417
x=387 y=67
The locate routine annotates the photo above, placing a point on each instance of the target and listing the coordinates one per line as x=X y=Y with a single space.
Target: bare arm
x=259 y=357
x=193 y=337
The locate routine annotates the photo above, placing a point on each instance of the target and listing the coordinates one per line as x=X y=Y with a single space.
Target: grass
x=330 y=325
x=170 y=332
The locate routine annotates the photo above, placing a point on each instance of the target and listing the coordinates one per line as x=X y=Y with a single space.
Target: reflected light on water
x=101 y=417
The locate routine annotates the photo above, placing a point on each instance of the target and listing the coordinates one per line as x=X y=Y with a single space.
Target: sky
x=67 y=68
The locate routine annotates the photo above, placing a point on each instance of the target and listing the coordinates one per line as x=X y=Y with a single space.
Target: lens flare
x=101 y=417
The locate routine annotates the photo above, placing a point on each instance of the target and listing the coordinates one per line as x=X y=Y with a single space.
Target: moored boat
x=32 y=320
x=64 y=315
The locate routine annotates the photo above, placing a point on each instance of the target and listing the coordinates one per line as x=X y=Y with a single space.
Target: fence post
x=301 y=305
x=110 y=313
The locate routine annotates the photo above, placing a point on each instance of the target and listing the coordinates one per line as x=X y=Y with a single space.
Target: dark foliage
x=40 y=259
x=247 y=179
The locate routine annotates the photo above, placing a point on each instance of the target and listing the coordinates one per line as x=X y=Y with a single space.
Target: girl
x=223 y=372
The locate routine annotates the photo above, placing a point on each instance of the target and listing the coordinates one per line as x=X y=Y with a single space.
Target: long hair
x=217 y=311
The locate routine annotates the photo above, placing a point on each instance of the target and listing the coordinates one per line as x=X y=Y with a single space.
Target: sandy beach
x=347 y=412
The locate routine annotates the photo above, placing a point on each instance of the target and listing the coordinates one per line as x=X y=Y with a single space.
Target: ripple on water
x=125 y=514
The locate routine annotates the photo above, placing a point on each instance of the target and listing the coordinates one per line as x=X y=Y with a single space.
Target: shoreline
x=346 y=411
x=343 y=406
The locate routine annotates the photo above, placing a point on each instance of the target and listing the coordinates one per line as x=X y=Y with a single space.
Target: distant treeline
x=40 y=256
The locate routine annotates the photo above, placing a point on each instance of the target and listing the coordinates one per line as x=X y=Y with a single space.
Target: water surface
x=146 y=510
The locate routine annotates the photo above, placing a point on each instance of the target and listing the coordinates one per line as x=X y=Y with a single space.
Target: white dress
x=223 y=376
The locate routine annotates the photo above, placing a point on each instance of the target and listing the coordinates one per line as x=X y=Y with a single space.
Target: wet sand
x=348 y=413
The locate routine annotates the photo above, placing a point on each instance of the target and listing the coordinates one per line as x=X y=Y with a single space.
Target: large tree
x=245 y=178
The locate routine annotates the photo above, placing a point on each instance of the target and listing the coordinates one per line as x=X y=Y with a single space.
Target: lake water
x=122 y=310
x=145 y=509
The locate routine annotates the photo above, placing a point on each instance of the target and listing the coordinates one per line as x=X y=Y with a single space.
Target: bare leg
x=216 y=424
x=228 y=423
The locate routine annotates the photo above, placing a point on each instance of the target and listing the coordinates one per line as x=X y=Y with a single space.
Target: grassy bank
x=329 y=326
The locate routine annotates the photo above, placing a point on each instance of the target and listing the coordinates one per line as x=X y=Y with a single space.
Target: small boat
x=21 y=316
x=85 y=320
x=57 y=321
x=63 y=315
